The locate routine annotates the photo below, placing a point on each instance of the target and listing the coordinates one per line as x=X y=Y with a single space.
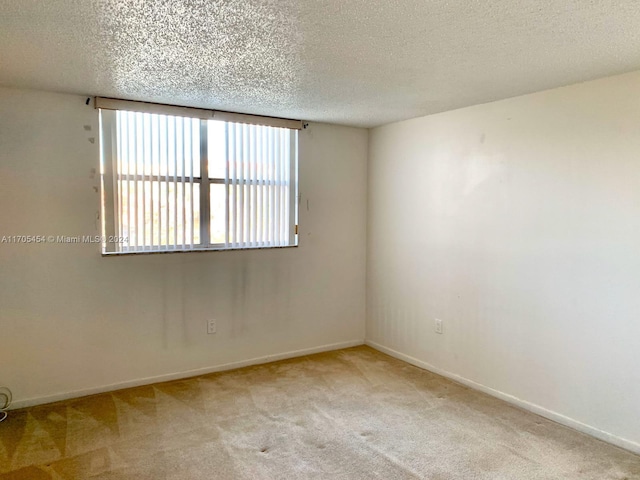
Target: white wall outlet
x=211 y=327
x=438 y=325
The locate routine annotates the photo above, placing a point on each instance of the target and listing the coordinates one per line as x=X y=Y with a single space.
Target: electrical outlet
x=438 y=325
x=211 y=327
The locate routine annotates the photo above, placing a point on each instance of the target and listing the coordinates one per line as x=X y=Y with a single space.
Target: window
x=177 y=183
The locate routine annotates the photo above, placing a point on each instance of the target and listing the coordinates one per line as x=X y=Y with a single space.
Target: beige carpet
x=350 y=414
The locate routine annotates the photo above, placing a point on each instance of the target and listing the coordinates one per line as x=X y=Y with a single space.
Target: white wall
x=72 y=321
x=518 y=224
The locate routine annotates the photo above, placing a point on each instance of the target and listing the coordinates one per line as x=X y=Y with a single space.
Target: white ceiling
x=354 y=62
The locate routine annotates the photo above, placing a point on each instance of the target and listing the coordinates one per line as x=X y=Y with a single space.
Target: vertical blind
x=258 y=176
x=173 y=183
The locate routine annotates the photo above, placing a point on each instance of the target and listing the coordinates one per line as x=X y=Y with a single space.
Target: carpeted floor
x=349 y=414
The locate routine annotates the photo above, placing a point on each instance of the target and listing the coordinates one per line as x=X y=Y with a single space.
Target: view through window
x=173 y=183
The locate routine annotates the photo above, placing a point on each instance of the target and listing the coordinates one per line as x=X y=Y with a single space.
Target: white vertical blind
x=259 y=184
x=153 y=170
x=156 y=191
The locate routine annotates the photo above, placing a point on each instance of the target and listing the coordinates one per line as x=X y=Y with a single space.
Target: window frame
x=108 y=145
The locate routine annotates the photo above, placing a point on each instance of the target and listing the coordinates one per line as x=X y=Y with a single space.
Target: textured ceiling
x=355 y=62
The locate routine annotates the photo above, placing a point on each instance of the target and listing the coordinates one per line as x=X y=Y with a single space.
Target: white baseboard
x=531 y=407
x=179 y=375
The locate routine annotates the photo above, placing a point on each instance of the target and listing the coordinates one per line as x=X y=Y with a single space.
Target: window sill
x=194 y=250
